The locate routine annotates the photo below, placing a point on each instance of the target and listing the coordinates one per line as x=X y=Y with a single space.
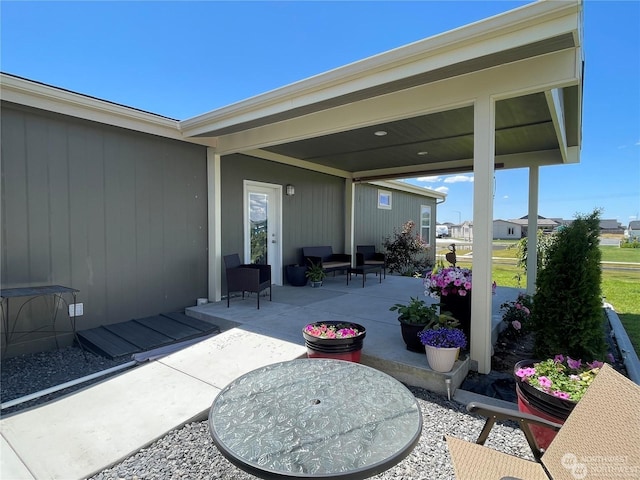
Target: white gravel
x=189 y=453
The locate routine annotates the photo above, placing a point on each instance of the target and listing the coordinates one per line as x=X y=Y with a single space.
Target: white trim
x=53 y=99
x=409 y=188
x=385 y=200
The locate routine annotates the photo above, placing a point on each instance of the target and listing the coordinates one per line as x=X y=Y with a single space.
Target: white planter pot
x=441 y=359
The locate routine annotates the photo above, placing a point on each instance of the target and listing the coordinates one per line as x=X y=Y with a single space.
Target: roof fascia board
x=37 y=95
x=526 y=76
x=407 y=187
x=527 y=24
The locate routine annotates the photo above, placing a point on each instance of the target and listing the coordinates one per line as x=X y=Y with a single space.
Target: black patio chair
x=247 y=277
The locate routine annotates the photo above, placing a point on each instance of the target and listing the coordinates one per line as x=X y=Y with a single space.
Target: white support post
x=483 y=172
x=214 y=197
x=349 y=219
x=532 y=230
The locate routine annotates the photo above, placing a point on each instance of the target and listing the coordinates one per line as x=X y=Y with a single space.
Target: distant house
x=547 y=225
x=634 y=230
x=464 y=231
x=610 y=226
x=506 y=230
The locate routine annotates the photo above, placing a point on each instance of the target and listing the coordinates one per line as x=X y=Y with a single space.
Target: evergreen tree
x=567 y=313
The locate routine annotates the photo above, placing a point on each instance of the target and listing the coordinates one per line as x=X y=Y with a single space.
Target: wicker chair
x=246 y=277
x=602 y=431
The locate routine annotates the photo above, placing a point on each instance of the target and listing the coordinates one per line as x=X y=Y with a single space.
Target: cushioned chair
x=368 y=256
x=246 y=277
x=599 y=436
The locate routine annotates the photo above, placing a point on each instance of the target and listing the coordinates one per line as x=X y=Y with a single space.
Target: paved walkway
x=85 y=432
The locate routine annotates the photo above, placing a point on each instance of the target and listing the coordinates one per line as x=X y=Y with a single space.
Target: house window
x=511 y=231
x=384 y=199
x=425 y=223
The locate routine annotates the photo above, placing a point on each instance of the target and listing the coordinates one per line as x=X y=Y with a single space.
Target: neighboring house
x=506 y=230
x=547 y=225
x=464 y=231
x=634 y=230
x=136 y=210
x=611 y=226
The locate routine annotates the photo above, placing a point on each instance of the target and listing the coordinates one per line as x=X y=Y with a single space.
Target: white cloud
x=432 y=179
x=506 y=197
x=442 y=189
x=459 y=179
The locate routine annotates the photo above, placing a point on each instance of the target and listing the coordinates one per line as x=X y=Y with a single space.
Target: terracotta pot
x=441 y=359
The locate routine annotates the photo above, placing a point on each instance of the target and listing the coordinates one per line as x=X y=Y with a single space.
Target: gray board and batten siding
x=119 y=215
x=373 y=224
x=313 y=216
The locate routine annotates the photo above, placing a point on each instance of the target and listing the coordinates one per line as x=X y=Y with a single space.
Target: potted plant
x=551 y=389
x=331 y=339
x=315 y=273
x=442 y=346
x=414 y=317
x=452 y=286
x=516 y=316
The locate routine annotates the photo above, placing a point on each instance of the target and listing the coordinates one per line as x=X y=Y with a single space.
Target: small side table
x=315 y=418
x=55 y=291
x=363 y=270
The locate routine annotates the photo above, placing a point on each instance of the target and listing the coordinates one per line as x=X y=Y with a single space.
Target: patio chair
x=248 y=277
x=598 y=440
x=367 y=255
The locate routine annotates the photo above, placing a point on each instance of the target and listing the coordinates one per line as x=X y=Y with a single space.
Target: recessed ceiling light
x=423 y=153
x=380 y=133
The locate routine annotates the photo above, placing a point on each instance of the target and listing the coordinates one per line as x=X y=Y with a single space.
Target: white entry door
x=263 y=226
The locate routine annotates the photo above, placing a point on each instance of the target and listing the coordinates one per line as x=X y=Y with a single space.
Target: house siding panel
x=313 y=216
x=373 y=225
x=119 y=215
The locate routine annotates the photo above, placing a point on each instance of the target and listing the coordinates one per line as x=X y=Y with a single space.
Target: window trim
x=384 y=199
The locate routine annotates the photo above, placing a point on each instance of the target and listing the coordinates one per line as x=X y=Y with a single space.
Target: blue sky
x=181 y=59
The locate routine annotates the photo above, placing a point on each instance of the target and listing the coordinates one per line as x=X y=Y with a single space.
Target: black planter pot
x=410 y=336
x=460 y=308
x=338 y=348
x=296 y=275
x=558 y=408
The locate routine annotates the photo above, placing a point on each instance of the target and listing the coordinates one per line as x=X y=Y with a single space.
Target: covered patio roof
x=528 y=60
x=505 y=92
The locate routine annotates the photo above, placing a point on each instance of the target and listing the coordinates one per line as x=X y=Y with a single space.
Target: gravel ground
x=189 y=453
x=27 y=374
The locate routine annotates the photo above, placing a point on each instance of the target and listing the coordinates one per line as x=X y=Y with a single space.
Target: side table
x=363 y=270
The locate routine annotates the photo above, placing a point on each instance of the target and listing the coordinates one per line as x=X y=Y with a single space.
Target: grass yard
x=620 y=288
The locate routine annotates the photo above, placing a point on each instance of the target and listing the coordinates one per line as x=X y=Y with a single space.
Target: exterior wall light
x=290 y=190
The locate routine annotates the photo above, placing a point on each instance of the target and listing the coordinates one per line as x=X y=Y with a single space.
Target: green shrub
x=567 y=315
x=406 y=252
x=628 y=243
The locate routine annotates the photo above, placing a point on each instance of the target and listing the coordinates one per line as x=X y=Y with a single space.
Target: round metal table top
x=315 y=418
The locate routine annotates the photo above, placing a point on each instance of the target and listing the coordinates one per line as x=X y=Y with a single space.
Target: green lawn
x=620 y=288
x=617 y=254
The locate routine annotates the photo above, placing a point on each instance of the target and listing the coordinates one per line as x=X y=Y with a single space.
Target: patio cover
x=505 y=92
